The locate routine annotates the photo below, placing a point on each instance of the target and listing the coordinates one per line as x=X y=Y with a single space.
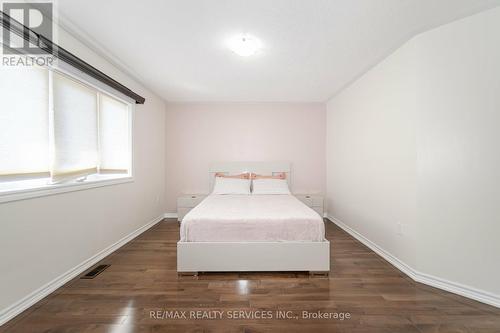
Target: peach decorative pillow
x=280 y=175
x=245 y=175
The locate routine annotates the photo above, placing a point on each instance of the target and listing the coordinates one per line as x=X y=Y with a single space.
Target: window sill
x=43 y=189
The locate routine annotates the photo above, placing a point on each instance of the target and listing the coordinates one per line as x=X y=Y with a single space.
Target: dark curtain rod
x=10 y=24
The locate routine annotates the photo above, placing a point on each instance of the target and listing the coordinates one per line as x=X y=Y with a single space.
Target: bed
x=241 y=233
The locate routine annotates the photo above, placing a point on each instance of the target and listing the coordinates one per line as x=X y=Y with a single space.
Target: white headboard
x=261 y=168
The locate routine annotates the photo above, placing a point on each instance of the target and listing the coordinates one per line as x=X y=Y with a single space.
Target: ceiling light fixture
x=244 y=45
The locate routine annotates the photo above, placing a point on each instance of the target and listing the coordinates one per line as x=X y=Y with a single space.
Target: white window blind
x=75 y=129
x=57 y=128
x=114 y=129
x=24 y=134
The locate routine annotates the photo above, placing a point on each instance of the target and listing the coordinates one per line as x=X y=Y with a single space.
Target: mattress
x=252 y=218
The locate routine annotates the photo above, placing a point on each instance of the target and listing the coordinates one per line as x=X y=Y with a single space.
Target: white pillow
x=270 y=186
x=231 y=186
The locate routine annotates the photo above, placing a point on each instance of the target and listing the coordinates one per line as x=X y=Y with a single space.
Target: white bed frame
x=194 y=257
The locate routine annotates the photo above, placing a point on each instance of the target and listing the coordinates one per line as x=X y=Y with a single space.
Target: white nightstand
x=187 y=202
x=312 y=200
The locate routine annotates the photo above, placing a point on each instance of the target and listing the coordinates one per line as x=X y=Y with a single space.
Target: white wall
x=42 y=238
x=415 y=140
x=198 y=134
x=371 y=157
x=459 y=152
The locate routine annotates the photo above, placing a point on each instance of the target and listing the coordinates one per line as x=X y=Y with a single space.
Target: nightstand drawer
x=314 y=201
x=319 y=210
x=181 y=212
x=317 y=201
x=190 y=201
x=306 y=199
x=187 y=202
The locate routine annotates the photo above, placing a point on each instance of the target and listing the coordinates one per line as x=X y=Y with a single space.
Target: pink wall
x=199 y=134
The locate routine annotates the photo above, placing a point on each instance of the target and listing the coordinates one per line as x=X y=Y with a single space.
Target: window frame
x=93 y=181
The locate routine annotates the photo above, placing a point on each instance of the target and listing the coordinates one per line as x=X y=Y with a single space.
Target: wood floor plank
x=142 y=280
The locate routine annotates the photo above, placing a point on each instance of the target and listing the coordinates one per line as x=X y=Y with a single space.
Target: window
x=58 y=131
x=75 y=129
x=24 y=135
x=114 y=151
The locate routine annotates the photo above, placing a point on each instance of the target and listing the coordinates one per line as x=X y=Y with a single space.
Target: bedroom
x=250 y=166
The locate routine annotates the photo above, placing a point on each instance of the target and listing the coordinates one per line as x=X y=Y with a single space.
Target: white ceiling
x=312 y=48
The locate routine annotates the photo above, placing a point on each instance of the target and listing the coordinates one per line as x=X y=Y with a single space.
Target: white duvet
x=252 y=218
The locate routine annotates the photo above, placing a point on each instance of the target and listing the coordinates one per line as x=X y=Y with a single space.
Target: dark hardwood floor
x=142 y=280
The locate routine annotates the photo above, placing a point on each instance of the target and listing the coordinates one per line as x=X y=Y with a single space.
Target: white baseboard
x=433 y=281
x=21 y=305
x=170 y=215
x=403 y=267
